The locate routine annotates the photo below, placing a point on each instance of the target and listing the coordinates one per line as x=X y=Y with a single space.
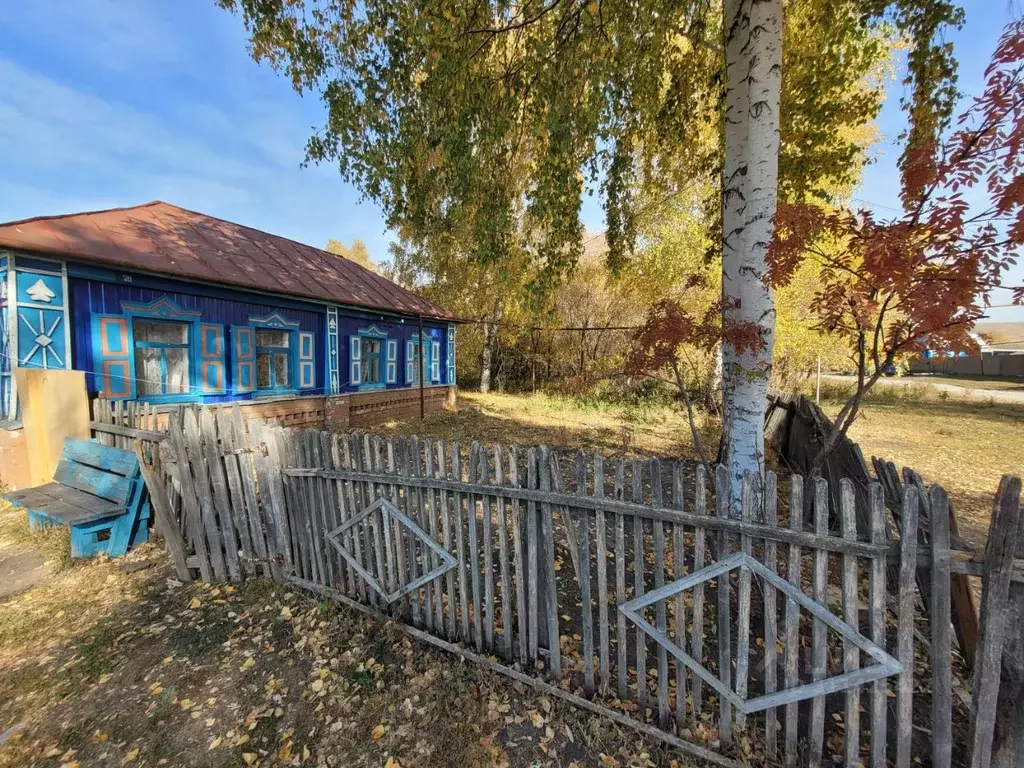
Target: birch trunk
x=753 y=51
x=490 y=344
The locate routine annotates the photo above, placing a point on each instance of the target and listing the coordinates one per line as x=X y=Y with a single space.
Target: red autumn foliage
x=668 y=326
x=923 y=278
x=918 y=280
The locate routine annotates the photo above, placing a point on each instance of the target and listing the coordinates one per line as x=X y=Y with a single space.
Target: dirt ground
x=102 y=667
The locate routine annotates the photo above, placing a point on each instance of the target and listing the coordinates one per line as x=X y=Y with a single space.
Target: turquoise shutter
x=355 y=374
x=212 y=380
x=244 y=351
x=451 y=355
x=112 y=355
x=392 y=366
x=435 y=362
x=307 y=371
x=410 y=366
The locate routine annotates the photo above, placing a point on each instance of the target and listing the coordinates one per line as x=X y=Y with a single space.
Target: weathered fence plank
x=621 y=641
x=792 y=642
x=771 y=632
x=819 y=638
x=905 y=629
x=878 y=592
x=699 y=545
x=851 y=615
x=999 y=552
x=601 y=549
x=941 y=619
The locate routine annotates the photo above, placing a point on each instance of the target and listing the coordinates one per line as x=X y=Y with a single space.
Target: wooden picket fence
x=627 y=587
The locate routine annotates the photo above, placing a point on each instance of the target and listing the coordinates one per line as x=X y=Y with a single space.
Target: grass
x=966 y=445
x=974 y=382
x=564 y=421
x=53 y=542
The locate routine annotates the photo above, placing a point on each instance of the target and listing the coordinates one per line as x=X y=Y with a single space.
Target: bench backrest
x=102 y=470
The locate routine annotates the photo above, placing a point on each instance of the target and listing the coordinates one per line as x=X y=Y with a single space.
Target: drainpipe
x=422 y=366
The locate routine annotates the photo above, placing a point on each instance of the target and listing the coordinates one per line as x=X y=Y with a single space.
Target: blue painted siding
x=93 y=292
x=400 y=329
x=89 y=297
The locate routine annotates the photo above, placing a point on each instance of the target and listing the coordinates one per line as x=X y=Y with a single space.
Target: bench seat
x=98 y=492
x=66 y=506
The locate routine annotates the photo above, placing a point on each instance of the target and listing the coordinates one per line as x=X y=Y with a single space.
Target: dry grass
x=52 y=542
x=964 y=445
x=978 y=383
x=562 y=421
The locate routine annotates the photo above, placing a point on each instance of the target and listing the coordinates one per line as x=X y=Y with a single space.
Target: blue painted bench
x=98 y=492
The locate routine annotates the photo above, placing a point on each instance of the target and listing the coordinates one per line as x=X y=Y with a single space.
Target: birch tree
x=753 y=56
x=435 y=106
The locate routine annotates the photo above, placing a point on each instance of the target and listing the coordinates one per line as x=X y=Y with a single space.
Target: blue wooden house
x=165 y=305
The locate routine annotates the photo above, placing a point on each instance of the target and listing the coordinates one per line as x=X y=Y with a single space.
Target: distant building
x=1001 y=353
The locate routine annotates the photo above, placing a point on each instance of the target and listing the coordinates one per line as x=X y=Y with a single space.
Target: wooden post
x=986 y=695
x=422 y=371
x=165 y=523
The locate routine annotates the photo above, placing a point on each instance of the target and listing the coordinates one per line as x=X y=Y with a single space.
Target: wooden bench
x=98 y=492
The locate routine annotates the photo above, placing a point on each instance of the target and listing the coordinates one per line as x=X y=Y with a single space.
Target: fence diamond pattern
x=886 y=665
x=380 y=526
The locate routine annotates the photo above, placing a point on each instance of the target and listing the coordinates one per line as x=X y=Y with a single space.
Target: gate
x=625 y=586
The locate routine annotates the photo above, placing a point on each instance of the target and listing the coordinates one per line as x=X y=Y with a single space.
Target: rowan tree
x=919 y=280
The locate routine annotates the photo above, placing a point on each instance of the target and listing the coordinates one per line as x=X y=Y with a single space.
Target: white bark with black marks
x=753 y=51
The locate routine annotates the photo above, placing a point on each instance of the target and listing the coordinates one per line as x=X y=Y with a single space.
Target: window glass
x=161 y=357
x=371 y=361
x=177 y=370
x=281 y=370
x=272 y=358
x=147 y=371
x=166 y=333
x=270 y=338
x=263 y=371
x=415 y=363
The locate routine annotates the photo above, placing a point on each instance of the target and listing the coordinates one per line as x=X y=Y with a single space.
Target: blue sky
x=117 y=102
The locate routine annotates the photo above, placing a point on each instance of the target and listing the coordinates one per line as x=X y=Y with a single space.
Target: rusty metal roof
x=165 y=239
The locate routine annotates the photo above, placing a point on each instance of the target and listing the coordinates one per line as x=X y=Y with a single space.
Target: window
x=419 y=363
x=161 y=357
x=273 y=359
x=414 y=362
x=371 y=374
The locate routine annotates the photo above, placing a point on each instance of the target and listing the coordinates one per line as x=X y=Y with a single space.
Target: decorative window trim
x=375 y=333
x=161 y=308
x=274 y=320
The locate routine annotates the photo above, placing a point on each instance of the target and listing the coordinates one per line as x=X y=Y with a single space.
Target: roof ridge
x=51 y=217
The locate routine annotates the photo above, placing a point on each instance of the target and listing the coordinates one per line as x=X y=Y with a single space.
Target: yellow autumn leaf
x=196 y=603
x=249 y=662
x=378 y=732
x=608 y=761
x=392 y=763
x=132 y=756
x=305 y=754
x=215 y=743
x=317 y=685
x=250 y=758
